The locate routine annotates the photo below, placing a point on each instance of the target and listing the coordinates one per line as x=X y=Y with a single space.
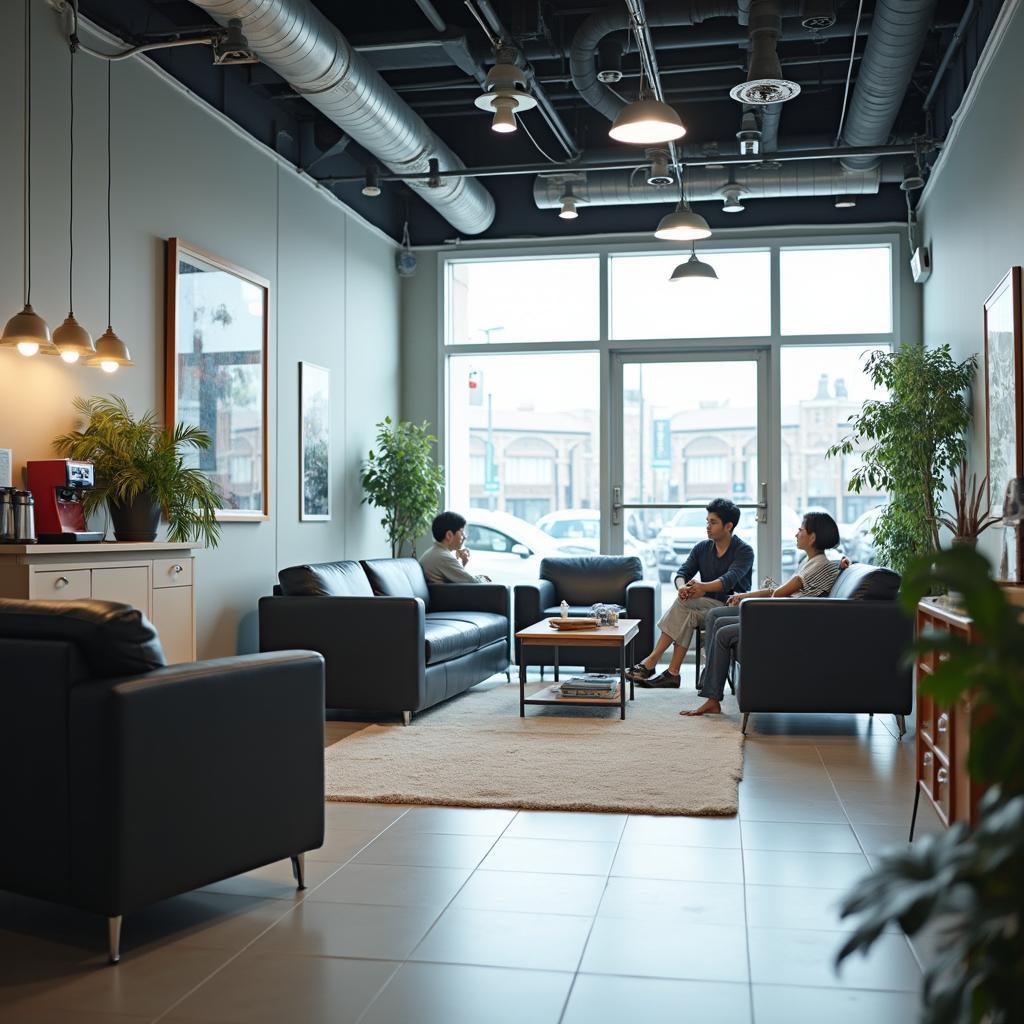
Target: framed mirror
x=216 y=379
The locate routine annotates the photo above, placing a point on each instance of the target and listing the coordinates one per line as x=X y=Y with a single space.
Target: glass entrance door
x=686 y=429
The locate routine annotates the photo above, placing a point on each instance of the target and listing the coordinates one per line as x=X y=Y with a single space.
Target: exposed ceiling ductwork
x=792 y=180
x=897 y=36
x=302 y=46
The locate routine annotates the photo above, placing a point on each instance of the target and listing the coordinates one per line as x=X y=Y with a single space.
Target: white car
x=583 y=526
x=509 y=549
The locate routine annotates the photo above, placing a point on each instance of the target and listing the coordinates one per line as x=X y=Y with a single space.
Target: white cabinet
x=157 y=578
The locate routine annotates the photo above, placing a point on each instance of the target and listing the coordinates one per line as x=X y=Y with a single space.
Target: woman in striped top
x=814 y=578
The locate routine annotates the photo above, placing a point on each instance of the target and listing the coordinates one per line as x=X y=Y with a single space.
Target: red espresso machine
x=58 y=487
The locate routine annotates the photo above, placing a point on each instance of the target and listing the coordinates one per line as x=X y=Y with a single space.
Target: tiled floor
x=445 y=915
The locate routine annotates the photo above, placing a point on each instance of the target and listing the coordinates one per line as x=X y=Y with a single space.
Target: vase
x=135 y=520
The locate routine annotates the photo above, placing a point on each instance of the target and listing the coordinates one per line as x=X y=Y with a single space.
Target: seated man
x=724 y=563
x=446 y=558
x=814 y=578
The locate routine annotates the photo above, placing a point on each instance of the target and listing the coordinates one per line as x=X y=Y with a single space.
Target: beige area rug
x=475 y=751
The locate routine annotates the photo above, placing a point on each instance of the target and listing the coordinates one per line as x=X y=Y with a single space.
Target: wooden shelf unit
x=156 y=578
x=943 y=734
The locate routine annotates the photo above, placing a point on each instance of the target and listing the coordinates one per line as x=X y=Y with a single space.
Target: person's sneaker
x=639 y=673
x=663 y=681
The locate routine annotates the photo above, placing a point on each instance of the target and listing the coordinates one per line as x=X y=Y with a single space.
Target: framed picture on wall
x=216 y=371
x=1004 y=393
x=315 y=441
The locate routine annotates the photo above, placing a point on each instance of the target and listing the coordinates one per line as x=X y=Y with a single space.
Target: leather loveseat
x=582 y=582
x=127 y=781
x=841 y=653
x=391 y=642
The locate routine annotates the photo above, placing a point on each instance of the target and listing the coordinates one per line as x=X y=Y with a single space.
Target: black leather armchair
x=391 y=643
x=127 y=781
x=844 y=653
x=582 y=582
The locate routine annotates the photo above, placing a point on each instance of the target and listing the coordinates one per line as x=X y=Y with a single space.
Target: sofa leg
x=508 y=676
x=743 y=727
x=114 y=938
x=406 y=717
x=299 y=870
x=901 y=724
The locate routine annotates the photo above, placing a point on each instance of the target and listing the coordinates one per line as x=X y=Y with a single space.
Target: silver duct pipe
x=792 y=180
x=298 y=42
x=897 y=36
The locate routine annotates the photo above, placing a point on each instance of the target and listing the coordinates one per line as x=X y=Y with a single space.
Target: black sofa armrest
x=469 y=597
x=353 y=634
x=825 y=655
x=530 y=600
x=643 y=601
x=193 y=773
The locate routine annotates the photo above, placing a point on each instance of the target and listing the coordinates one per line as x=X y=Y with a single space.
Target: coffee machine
x=58 y=487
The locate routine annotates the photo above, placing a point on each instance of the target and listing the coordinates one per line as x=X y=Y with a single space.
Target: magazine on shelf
x=591 y=681
x=575 y=694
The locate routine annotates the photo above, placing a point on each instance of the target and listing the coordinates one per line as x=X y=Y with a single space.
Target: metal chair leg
x=696 y=652
x=406 y=717
x=901 y=724
x=114 y=938
x=743 y=727
x=913 y=817
x=299 y=870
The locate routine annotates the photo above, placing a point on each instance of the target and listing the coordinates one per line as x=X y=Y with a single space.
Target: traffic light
x=476 y=387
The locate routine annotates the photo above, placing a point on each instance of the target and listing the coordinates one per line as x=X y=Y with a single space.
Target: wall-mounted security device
x=921 y=264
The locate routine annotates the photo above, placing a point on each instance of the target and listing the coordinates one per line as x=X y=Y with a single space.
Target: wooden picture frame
x=1004 y=411
x=216 y=372
x=314 y=442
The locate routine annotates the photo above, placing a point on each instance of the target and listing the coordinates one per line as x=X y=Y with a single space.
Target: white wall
x=180 y=170
x=972 y=213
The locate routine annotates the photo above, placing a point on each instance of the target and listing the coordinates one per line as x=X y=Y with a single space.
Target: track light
x=647 y=122
x=732 y=203
x=693 y=271
x=682 y=225
x=371 y=187
x=568 y=201
x=505 y=95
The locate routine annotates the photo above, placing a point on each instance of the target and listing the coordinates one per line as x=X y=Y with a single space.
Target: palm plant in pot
x=141 y=472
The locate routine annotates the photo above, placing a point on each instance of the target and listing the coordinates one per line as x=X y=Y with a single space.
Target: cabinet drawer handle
x=941 y=776
x=927 y=759
x=942 y=724
x=62 y=581
x=179 y=568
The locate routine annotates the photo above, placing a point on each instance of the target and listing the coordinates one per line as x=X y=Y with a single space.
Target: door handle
x=616 y=505
x=761 y=516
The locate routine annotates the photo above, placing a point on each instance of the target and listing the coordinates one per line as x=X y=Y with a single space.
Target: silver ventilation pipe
x=298 y=42
x=791 y=180
x=897 y=36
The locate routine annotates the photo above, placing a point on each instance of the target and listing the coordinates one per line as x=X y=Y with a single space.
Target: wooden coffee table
x=540 y=634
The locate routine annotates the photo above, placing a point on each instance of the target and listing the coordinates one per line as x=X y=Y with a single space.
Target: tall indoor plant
x=967 y=884
x=141 y=472
x=401 y=478
x=915 y=439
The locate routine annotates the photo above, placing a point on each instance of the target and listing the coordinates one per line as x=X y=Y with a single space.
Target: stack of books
x=589 y=686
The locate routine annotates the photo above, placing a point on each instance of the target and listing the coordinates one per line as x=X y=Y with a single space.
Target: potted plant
x=968 y=884
x=141 y=472
x=401 y=478
x=915 y=439
x=969 y=522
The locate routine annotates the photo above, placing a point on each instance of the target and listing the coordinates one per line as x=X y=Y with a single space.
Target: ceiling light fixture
x=682 y=225
x=844 y=202
x=27 y=330
x=693 y=271
x=646 y=122
x=568 y=201
x=732 y=203
x=660 y=172
x=505 y=94
x=111 y=351
x=371 y=187
x=765 y=83
x=71 y=338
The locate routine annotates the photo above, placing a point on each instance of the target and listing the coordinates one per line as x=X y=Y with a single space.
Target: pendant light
x=693 y=271
x=71 y=338
x=111 y=351
x=27 y=330
x=646 y=121
x=682 y=224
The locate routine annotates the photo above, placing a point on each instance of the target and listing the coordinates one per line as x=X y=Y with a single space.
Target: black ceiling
x=696 y=80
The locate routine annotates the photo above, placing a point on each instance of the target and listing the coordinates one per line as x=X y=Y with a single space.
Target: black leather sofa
x=391 y=642
x=582 y=582
x=126 y=781
x=841 y=653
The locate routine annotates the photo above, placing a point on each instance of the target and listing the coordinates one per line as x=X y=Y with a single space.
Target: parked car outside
x=583 y=526
x=859 y=539
x=509 y=549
